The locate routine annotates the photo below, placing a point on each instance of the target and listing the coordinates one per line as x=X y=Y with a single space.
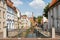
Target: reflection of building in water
x=25 y=22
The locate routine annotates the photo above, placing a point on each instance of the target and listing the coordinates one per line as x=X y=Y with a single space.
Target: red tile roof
x=11 y=5
x=52 y=3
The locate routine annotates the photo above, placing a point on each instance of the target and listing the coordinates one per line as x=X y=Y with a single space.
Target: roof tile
x=52 y=3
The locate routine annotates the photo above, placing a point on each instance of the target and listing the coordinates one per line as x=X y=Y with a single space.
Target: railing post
x=5 y=32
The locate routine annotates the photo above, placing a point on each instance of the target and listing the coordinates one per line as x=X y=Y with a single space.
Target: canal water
x=36 y=34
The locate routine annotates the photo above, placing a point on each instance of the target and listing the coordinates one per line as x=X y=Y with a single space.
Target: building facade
x=25 y=22
x=54 y=15
x=17 y=19
x=2 y=16
x=8 y=16
x=11 y=15
x=32 y=20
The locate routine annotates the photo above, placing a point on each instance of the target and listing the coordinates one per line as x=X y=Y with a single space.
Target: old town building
x=25 y=22
x=54 y=15
x=8 y=17
x=32 y=20
x=54 y=18
x=11 y=13
x=2 y=16
x=17 y=19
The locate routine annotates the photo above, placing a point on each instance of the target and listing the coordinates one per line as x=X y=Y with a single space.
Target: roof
x=24 y=16
x=11 y=5
x=52 y=3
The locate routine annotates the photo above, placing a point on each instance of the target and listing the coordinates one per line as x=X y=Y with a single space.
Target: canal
x=36 y=34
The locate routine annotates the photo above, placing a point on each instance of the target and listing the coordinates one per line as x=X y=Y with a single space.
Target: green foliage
x=34 y=18
x=39 y=19
x=46 y=11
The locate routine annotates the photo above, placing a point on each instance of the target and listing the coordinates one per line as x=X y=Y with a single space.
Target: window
x=13 y=25
x=0 y=13
x=3 y=14
x=9 y=9
x=7 y=25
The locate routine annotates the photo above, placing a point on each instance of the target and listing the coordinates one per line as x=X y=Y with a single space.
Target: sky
x=27 y=7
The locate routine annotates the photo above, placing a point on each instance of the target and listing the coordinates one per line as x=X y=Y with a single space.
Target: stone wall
x=30 y=39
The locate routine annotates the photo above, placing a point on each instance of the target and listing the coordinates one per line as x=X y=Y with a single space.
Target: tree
x=39 y=19
x=46 y=11
x=34 y=18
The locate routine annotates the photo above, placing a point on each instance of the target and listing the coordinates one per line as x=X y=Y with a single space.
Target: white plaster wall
x=49 y=20
x=59 y=17
x=55 y=17
x=55 y=13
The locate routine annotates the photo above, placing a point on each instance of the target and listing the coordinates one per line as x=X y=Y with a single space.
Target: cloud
x=37 y=4
x=17 y=2
x=29 y=14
